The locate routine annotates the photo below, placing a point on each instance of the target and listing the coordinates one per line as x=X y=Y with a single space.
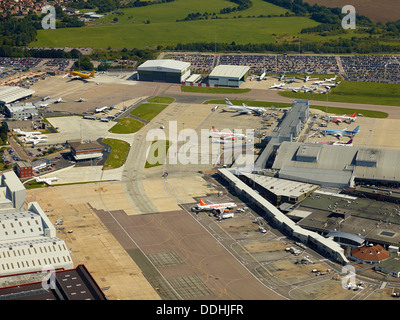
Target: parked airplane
x=46 y=98
x=341 y=133
x=44 y=105
x=332 y=85
x=262 y=77
x=277 y=86
x=216 y=206
x=28 y=134
x=59 y=100
x=257 y=110
x=215 y=108
x=225 y=135
x=80 y=100
x=307 y=78
x=339 y=143
x=48 y=181
x=295 y=89
x=101 y=109
x=353 y=117
x=35 y=139
x=81 y=75
x=241 y=109
x=331 y=79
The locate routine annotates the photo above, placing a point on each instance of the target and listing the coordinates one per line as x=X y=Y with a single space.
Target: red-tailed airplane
x=339 y=143
x=225 y=135
x=353 y=117
x=215 y=206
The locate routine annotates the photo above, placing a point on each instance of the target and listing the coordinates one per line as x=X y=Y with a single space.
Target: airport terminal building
x=228 y=76
x=167 y=70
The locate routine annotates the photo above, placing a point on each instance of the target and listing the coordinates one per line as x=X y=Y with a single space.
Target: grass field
x=119 y=152
x=127 y=125
x=213 y=90
x=356 y=92
x=148 y=111
x=167 y=100
x=334 y=110
x=163 y=29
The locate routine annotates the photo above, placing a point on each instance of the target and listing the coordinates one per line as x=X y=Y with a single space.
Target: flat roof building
x=166 y=70
x=21 y=110
x=10 y=94
x=228 y=75
x=85 y=150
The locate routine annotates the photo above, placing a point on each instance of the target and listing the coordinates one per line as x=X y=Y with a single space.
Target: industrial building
x=228 y=75
x=166 y=70
x=72 y=284
x=27 y=237
x=21 y=111
x=10 y=94
x=86 y=150
x=277 y=190
x=337 y=166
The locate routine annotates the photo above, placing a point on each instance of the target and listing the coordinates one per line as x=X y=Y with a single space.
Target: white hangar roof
x=228 y=71
x=166 y=65
x=11 y=94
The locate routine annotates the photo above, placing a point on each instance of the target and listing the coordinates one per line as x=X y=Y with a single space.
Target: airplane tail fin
x=356 y=129
x=92 y=74
x=350 y=141
x=215 y=130
x=202 y=203
x=228 y=102
x=354 y=115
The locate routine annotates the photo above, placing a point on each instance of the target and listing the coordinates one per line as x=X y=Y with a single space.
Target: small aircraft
x=344 y=117
x=59 y=100
x=80 y=100
x=331 y=79
x=215 y=108
x=263 y=76
x=277 y=86
x=332 y=85
x=28 y=134
x=307 y=78
x=48 y=181
x=341 y=133
x=295 y=89
x=44 y=105
x=226 y=135
x=216 y=206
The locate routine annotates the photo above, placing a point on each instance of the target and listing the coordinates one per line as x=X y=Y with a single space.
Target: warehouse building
x=167 y=70
x=12 y=94
x=228 y=76
x=337 y=166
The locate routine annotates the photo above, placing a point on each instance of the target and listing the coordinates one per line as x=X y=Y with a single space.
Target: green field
x=127 y=125
x=131 y=31
x=167 y=100
x=355 y=92
x=119 y=152
x=148 y=111
x=334 y=110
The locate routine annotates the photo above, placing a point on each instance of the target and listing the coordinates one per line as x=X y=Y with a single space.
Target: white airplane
x=332 y=85
x=216 y=206
x=277 y=86
x=226 y=135
x=48 y=181
x=28 y=134
x=257 y=110
x=295 y=89
x=215 y=108
x=281 y=77
x=44 y=105
x=80 y=100
x=307 y=78
x=35 y=139
x=344 y=117
x=331 y=79
x=320 y=90
x=319 y=82
x=59 y=100
x=101 y=109
x=262 y=77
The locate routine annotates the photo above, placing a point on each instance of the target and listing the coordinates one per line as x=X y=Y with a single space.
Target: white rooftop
x=10 y=94
x=229 y=71
x=164 y=64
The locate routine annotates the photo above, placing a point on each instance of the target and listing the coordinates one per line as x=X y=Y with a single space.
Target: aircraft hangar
x=228 y=76
x=167 y=70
